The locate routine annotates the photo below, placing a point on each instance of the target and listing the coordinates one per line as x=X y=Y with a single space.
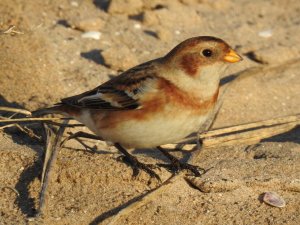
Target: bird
x=157 y=102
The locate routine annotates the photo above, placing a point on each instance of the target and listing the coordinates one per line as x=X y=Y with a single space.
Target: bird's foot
x=137 y=166
x=177 y=166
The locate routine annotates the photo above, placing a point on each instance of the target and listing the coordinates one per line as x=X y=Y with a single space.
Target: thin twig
x=24 y=129
x=247 y=137
x=11 y=188
x=259 y=124
x=11 y=30
x=21 y=111
x=7 y=126
x=271 y=124
x=53 y=145
x=32 y=120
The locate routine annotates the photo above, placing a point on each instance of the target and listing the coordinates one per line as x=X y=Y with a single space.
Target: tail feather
x=46 y=111
x=62 y=109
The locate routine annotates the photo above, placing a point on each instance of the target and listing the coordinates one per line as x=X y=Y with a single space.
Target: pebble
x=270 y=55
x=273 y=199
x=125 y=6
x=164 y=34
x=177 y=32
x=74 y=4
x=150 y=18
x=119 y=58
x=92 y=35
x=266 y=33
x=90 y=24
x=137 y=26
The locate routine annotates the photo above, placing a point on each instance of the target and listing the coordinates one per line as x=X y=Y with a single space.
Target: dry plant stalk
x=53 y=145
x=15 y=110
x=246 y=134
x=11 y=30
x=33 y=119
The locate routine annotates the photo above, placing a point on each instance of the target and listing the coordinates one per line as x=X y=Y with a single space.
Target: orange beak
x=232 y=57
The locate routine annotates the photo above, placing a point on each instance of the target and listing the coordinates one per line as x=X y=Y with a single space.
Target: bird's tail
x=46 y=111
x=62 y=109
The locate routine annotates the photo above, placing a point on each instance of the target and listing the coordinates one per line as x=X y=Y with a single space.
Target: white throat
x=204 y=84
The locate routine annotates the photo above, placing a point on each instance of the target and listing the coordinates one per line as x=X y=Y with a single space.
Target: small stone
x=90 y=24
x=74 y=4
x=177 y=32
x=137 y=26
x=270 y=55
x=150 y=18
x=129 y=7
x=92 y=35
x=273 y=199
x=266 y=33
x=190 y=2
x=119 y=58
x=164 y=34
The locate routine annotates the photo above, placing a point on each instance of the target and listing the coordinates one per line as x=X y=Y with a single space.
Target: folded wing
x=120 y=93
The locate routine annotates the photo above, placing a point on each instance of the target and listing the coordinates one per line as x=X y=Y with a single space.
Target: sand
x=52 y=60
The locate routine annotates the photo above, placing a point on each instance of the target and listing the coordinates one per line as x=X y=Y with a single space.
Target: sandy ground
x=52 y=60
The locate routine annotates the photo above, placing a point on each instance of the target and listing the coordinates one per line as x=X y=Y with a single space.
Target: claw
x=137 y=166
x=178 y=166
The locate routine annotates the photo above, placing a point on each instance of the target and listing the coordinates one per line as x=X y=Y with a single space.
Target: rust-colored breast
x=154 y=104
x=187 y=100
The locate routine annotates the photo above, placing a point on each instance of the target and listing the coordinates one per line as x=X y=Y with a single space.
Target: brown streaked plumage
x=157 y=102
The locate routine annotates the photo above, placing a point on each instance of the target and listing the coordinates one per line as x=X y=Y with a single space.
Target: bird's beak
x=232 y=57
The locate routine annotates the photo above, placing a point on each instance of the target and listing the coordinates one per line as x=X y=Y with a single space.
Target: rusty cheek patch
x=190 y=63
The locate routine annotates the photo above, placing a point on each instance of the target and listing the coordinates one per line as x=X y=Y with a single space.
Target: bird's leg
x=81 y=134
x=176 y=165
x=135 y=164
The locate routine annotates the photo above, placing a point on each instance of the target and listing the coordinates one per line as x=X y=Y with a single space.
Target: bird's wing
x=120 y=93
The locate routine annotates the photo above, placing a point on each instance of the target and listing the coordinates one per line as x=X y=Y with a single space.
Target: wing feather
x=119 y=93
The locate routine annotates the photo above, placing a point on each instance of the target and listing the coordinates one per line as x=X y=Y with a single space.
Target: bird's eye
x=207 y=52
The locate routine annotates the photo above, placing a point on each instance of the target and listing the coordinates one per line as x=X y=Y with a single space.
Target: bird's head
x=203 y=54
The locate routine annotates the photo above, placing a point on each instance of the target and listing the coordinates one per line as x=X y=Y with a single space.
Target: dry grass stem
x=250 y=133
x=248 y=137
x=53 y=145
x=11 y=188
x=32 y=120
x=15 y=110
x=255 y=125
x=11 y=30
x=25 y=130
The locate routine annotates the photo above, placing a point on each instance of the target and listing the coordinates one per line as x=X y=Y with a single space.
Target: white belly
x=154 y=132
